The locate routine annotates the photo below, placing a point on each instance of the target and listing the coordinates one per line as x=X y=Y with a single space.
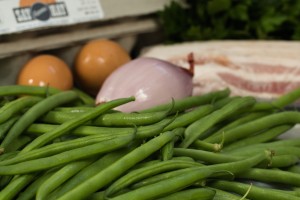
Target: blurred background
x=138 y=24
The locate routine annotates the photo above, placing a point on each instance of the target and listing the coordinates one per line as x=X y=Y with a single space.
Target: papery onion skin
x=152 y=81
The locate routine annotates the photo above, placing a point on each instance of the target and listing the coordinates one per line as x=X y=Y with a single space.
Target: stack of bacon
x=263 y=69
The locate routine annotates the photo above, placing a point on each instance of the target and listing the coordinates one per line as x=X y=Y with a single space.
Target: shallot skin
x=151 y=81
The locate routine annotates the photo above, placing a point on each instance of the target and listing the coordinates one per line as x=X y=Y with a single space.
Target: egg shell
x=46 y=70
x=96 y=61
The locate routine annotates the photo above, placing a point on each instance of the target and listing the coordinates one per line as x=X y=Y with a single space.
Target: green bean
x=97 y=196
x=165 y=187
x=138 y=174
x=190 y=102
x=255 y=192
x=15 y=186
x=167 y=149
x=30 y=192
x=147 y=131
x=187 y=118
x=74 y=109
x=265 y=136
x=250 y=128
x=296 y=191
x=200 y=144
x=84 y=97
x=222 y=102
x=16 y=90
x=241 y=120
x=294 y=169
x=280 y=142
x=280 y=161
x=4 y=127
x=223 y=195
x=1 y=151
x=83 y=130
x=66 y=157
x=144 y=132
x=214 y=158
x=205 y=156
x=19 y=143
x=91 y=170
x=279 y=103
x=118 y=168
x=196 y=129
x=127 y=119
x=58 y=117
x=278 y=149
x=56 y=148
x=6 y=99
x=71 y=124
x=272 y=176
x=191 y=194
x=160 y=177
x=9 y=155
x=16 y=106
x=186 y=158
x=241 y=165
x=5 y=180
x=232 y=167
x=108 y=119
x=60 y=177
x=34 y=113
x=146 y=163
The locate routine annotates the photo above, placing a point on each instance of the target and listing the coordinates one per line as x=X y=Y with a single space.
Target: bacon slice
x=275 y=87
x=264 y=69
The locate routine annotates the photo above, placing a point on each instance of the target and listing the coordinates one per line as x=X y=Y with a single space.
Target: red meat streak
x=275 y=87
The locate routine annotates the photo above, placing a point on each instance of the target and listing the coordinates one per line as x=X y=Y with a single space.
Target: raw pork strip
x=263 y=69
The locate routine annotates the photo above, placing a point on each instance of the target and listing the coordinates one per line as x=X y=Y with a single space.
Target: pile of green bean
x=59 y=145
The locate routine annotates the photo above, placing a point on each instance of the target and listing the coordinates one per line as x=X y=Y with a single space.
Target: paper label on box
x=22 y=15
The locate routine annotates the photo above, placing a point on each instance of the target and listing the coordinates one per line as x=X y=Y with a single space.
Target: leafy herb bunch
x=231 y=19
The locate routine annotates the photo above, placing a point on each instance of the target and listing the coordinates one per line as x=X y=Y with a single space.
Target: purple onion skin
x=150 y=80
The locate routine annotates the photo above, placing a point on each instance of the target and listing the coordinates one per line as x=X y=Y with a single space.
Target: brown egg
x=46 y=70
x=96 y=61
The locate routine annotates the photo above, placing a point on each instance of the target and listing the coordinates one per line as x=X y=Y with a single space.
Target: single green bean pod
x=254 y=192
x=191 y=194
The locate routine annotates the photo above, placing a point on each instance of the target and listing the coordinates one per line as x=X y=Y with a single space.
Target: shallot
x=150 y=80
